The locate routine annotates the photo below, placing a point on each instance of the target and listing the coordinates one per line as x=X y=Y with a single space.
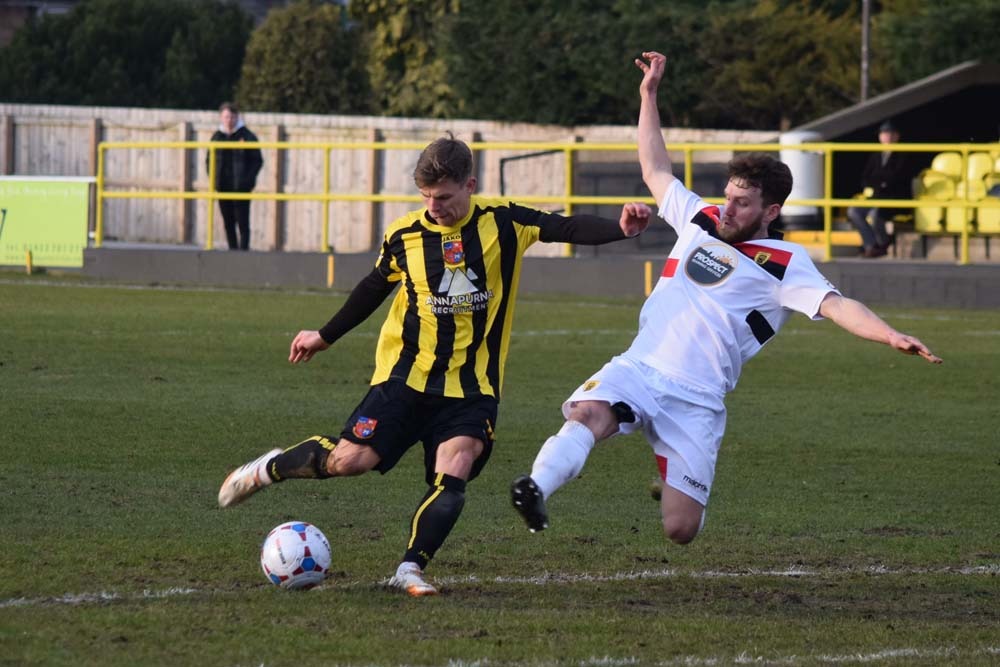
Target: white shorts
x=683 y=424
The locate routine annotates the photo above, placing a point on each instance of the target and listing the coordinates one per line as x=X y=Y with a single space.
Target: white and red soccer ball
x=295 y=555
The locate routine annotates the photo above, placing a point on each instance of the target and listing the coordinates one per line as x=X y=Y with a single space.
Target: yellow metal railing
x=567 y=200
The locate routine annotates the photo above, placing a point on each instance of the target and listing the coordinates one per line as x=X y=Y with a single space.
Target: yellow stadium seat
x=988 y=217
x=980 y=166
x=957 y=216
x=938 y=183
x=973 y=188
x=948 y=163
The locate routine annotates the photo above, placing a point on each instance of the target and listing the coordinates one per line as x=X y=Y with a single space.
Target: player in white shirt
x=725 y=290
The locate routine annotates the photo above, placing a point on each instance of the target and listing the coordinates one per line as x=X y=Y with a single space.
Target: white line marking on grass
x=103 y=596
x=574 y=578
x=949 y=652
x=549 y=578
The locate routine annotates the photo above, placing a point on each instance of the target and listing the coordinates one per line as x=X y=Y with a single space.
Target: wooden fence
x=62 y=141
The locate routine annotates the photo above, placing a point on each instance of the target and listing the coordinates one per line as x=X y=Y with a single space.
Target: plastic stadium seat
x=973 y=188
x=980 y=166
x=948 y=163
x=956 y=216
x=938 y=183
x=988 y=217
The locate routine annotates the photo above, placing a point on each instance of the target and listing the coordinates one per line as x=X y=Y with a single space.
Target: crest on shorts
x=590 y=385
x=365 y=427
x=453 y=252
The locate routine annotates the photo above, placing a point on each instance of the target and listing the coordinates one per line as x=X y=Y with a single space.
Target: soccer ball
x=295 y=554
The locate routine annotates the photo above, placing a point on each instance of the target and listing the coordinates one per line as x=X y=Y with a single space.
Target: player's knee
x=681 y=529
x=595 y=415
x=349 y=459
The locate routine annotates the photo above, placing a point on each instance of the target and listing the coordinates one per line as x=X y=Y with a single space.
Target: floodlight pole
x=865 y=38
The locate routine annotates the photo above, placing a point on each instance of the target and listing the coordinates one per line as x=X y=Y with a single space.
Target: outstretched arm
x=653 y=158
x=586 y=229
x=858 y=319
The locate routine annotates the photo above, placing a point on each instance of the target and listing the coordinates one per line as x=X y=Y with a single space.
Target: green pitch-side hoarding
x=45 y=215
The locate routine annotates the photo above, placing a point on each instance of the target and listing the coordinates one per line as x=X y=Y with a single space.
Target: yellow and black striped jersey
x=448 y=328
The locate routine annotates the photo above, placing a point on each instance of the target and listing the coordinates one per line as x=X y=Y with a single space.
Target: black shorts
x=393 y=417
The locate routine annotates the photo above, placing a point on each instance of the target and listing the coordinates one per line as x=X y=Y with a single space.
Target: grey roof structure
x=961 y=103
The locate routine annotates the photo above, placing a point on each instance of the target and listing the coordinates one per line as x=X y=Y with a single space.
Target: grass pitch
x=853 y=517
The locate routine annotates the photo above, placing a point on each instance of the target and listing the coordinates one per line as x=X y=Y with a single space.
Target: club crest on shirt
x=712 y=263
x=365 y=427
x=590 y=385
x=453 y=252
x=762 y=258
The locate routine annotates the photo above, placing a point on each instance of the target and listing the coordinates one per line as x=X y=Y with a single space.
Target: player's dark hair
x=762 y=171
x=231 y=107
x=446 y=158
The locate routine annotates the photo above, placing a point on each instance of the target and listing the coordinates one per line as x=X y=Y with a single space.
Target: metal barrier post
x=963 y=255
x=568 y=191
x=99 y=213
x=210 y=214
x=688 y=168
x=325 y=237
x=827 y=207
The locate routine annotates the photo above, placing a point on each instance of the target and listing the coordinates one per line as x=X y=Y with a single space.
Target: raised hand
x=635 y=218
x=652 y=72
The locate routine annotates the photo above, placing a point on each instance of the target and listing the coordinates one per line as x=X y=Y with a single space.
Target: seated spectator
x=886 y=176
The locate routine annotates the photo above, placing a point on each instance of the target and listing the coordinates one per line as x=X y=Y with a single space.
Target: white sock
x=562 y=456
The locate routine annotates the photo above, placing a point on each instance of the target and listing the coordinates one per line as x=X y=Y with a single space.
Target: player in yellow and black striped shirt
x=441 y=352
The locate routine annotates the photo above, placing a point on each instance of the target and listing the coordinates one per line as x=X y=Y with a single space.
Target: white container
x=807 y=183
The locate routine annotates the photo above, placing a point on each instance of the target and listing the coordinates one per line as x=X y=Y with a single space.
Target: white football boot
x=246 y=480
x=410 y=578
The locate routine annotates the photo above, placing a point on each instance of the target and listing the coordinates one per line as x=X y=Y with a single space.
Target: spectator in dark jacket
x=886 y=176
x=235 y=171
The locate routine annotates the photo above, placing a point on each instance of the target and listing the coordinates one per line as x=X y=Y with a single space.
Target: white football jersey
x=715 y=304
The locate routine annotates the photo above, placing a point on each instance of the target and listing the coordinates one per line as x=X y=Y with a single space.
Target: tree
x=128 y=53
x=407 y=74
x=537 y=65
x=680 y=27
x=569 y=62
x=917 y=38
x=773 y=67
x=302 y=59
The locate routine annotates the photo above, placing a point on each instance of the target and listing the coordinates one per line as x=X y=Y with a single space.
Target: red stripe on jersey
x=661 y=463
x=670 y=268
x=751 y=250
x=713 y=213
